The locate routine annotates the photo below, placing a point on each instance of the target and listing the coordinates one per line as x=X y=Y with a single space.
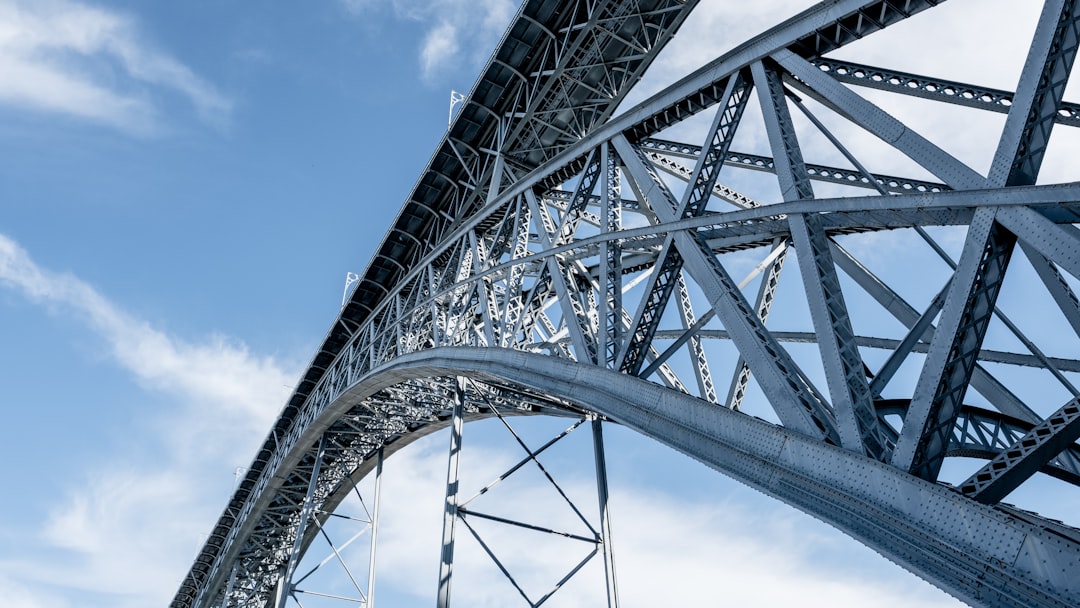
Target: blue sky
x=184 y=187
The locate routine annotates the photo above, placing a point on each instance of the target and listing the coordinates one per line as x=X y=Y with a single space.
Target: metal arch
x=369 y=347
x=994 y=560
x=341 y=375
x=540 y=257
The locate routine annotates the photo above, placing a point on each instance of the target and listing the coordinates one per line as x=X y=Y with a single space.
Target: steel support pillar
x=375 y=508
x=446 y=565
x=306 y=513
x=605 y=513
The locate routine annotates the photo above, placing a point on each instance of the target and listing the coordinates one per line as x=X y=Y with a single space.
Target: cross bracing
x=570 y=261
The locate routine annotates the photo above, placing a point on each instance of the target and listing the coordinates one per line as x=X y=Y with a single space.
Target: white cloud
x=219 y=374
x=131 y=528
x=15 y=594
x=458 y=33
x=59 y=56
x=440 y=44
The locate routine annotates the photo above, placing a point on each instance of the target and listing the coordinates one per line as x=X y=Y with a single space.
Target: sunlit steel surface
x=567 y=261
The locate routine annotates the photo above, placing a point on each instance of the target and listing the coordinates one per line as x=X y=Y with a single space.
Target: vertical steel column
x=605 y=515
x=610 y=318
x=446 y=566
x=301 y=526
x=740 y=381
x=229 y=588
x=374 y=530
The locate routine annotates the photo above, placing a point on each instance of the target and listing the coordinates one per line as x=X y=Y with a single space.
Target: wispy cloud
x=217 y=372
x=65 y=57
x=130 y=527
x=456 y=31
x=15 y=594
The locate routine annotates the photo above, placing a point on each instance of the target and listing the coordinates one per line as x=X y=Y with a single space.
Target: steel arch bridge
x=555 y=257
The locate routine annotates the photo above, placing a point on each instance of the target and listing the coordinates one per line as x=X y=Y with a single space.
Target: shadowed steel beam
x=790 y=167
x=933 y=88
x=855 y=417
x=605 y=514
x=983 y=263
x=824 y=173
x=611 y=292
x=1060 y=291
x=986 y=384
x=660 y=285
x=1060 y=244
x=797 y=402
x=1024 y=458
x=450 y=514
x=1038 y=96
x=954 y=348
x=881 y=124
x=844 y=367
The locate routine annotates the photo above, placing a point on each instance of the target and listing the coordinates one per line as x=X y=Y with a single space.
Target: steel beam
x=988 y=249
x=816 y=172
x=762 y=306
x=306 y=514
x=844 y=367
x=790 y=167
x=693 y=204
x=606 y=536
x=376 y=508
x=611 y=293
x=933 y=88
x=878 y=122
x=450 y=512
x=796 y=401
x=1038 y=95
x=1011 y=467
x=954 y=348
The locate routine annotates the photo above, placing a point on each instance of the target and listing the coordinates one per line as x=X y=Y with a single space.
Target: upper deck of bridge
x=561 y=69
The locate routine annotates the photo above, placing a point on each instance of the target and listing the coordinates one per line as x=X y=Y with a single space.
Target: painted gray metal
x=547 y=281
x=979 y=554
x=935 y=89
x=983 y=264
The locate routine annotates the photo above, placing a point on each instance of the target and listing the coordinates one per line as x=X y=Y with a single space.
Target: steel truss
x=555 y=260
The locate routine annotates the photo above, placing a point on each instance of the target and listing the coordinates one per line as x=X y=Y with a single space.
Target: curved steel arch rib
x=994 y=558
